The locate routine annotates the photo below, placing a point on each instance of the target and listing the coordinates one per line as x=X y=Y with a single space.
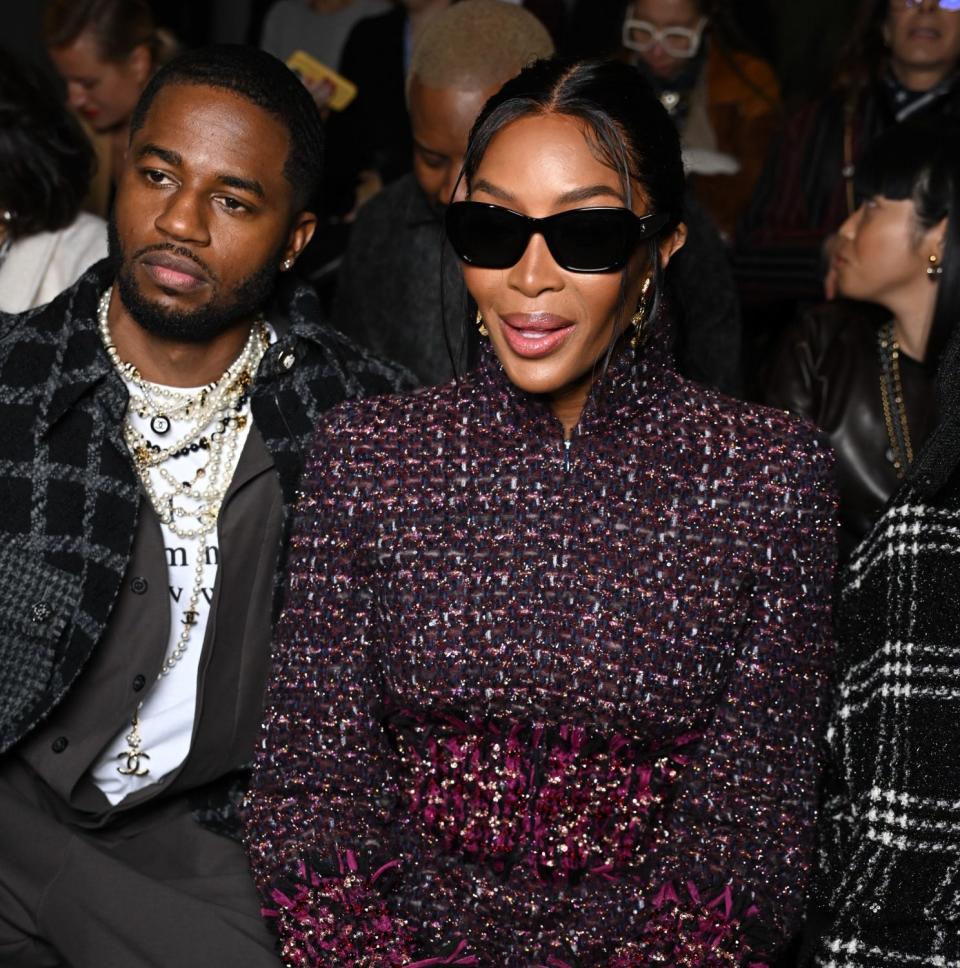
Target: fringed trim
x=329 y=922
x=686 y=931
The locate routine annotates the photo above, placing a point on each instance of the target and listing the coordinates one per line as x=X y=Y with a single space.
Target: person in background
x=320 y=27
x=105 y=51
x=46 y=162
x=370 y=141
x=887 y=890
x=399 y=285
x=549 y=678
x=862 y=367
x=153 y=424
x=725 y=102
x=900 y=63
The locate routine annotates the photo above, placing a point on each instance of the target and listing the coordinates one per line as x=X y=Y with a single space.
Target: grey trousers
x=154 y=889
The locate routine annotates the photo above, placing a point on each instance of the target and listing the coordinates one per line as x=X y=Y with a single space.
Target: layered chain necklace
x=891 y=396
x=188 y=508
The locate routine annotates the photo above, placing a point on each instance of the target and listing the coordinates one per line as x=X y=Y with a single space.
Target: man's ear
x=304 y=225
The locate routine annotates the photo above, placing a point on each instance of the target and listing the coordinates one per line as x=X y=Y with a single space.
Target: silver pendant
x=160 y=424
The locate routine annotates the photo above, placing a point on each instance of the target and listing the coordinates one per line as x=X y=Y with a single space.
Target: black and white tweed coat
x=69 y=493
x=891 y=850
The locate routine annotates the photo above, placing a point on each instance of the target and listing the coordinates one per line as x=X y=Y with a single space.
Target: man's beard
x=221 y=313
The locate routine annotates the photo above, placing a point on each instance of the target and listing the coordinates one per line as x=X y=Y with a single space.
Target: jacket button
x=138 y=683
x=59 y=744
x=287 y=361
x=41 y=612
x=139 y=585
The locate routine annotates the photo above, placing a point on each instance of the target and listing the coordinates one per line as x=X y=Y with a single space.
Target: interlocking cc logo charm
x=134 y=767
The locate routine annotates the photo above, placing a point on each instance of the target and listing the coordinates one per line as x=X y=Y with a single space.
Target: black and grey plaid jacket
x=891 y=851
x=69 y=493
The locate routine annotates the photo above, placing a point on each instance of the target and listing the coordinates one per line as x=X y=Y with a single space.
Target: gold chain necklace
x=891 y=396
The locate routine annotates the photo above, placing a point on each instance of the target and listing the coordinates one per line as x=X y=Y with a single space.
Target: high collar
x=903 y=103
x=616 y=392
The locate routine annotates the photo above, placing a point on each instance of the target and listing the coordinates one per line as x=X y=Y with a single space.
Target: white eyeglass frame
x=658 y=36
x=951 y=6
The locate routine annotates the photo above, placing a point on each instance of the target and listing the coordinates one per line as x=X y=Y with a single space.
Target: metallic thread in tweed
x=545 y=706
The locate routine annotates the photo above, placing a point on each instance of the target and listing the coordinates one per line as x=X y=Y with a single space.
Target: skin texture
x=103 y=92
x=663 y=14
x=175 y=196
x=924 y=43
x=441 y=119
x=541 y=165
x=881 y=256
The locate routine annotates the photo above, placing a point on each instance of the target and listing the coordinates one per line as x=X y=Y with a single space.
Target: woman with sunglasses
x=725 y=102
x=548 y=677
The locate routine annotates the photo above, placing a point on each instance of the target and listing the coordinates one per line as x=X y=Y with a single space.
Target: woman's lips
x=535 y=335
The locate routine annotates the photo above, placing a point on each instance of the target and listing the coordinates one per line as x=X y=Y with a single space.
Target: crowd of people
x=469 y=503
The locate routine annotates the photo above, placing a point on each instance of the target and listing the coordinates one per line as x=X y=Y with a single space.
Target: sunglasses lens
x=487 y=236
x=591 y=240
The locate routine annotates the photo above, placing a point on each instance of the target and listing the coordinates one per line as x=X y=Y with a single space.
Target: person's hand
x=321 y=91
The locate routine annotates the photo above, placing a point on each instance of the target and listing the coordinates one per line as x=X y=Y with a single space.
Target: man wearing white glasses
x=724 y=101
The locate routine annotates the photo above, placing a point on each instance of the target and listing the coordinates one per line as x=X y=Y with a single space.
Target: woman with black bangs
x=548 y=680
x=889 y=892
x=862 y=368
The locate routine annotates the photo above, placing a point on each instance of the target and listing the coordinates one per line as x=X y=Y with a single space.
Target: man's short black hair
x=265 y=81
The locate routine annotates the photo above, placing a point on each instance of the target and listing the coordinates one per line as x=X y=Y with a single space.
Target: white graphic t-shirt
x=169 y=705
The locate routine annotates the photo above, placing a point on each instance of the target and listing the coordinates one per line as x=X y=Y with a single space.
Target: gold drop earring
x=480 y=326
x=934 y=269
x=639 y=317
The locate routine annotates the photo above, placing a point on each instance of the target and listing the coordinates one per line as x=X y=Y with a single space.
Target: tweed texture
x=68 y=488
x=538 y=705
x=891 y=851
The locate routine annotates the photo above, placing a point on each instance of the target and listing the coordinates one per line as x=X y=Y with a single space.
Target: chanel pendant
x=160 y=424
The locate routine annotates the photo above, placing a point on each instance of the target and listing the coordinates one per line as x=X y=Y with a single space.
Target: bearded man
x=153 y=421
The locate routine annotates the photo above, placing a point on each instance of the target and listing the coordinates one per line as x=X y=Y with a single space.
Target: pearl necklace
x=217 y=421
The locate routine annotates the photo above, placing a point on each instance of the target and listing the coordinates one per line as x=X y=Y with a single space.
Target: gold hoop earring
x=483 y=329
x=934 y=270
x=638 y=319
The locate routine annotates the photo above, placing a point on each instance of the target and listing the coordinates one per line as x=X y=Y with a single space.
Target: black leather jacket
x=827 y=368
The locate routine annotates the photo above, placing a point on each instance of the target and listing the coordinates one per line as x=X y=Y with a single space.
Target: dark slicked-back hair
x=45 y=159
x=265 y=81
x=920 y=161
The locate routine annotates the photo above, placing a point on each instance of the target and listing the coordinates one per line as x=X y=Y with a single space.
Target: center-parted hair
x=625 y=122
x=263 y=80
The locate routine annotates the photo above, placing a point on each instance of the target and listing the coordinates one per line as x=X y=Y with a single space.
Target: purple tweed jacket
x=548 y=705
